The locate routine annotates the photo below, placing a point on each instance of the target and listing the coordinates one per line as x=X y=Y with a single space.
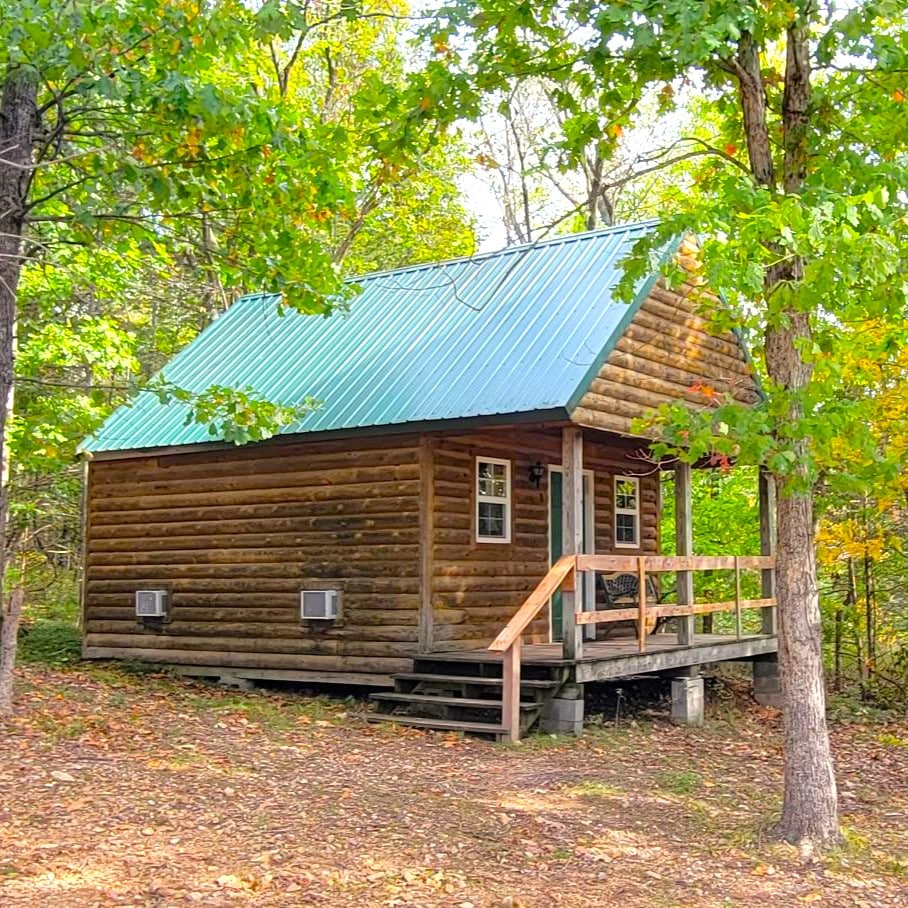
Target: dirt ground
x=118 y=790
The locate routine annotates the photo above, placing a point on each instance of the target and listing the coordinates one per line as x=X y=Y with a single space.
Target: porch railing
x=563 y=576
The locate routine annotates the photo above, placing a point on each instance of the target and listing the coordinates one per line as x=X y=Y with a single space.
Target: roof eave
x=553 y=415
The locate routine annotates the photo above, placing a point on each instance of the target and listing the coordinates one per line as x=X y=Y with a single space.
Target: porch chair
x=619 y=590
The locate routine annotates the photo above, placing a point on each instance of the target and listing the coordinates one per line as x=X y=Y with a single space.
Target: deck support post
x=688 y=701
x=684 y=545
x=564 y=714
x=767 y=487
x=572 y=535
x=767 y=688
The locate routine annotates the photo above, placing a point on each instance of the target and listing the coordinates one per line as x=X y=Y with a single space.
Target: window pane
x=626 y=528
x=626 y=495
x=491 y=521
x=492 y=480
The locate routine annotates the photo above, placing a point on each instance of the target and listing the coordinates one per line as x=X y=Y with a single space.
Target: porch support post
x=684 y=545
x=768 y=545
x=572 y=526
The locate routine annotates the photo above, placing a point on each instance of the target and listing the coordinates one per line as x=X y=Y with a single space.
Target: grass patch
x=594 y=788
x=680 y=782
x=52 y=643
x=858 y=845
x=67 y=729
x=276 y=717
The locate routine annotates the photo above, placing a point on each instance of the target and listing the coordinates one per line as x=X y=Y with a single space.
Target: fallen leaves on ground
x=118 y=790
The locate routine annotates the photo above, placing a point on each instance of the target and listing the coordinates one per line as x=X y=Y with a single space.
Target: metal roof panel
x=507 y=332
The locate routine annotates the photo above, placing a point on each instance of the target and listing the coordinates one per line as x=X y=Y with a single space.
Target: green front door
x=556 y=537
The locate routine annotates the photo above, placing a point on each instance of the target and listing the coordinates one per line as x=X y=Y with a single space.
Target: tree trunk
x=837 y=640
x=855 y=623
x=847 y=605
x=868 y=614
x=809 y=804
x=8 y=639
x=17 y=124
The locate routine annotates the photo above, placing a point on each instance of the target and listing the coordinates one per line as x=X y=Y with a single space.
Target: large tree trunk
x=12 y=615
x=17 y=126
x=809 y=806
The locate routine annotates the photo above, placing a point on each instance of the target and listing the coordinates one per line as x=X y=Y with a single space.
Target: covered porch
x=564 y=584
x=673 y=633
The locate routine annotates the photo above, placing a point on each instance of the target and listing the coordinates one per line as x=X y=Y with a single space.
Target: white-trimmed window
x=493 y=500
x=627 y=512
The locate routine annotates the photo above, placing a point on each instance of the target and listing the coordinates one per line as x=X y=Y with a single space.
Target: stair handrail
x=534 y=603
x=561 y=574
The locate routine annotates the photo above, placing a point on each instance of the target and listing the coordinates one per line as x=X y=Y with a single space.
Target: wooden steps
x=474 y=728
x=474 y=680
x=454 y=695
x=464 y=702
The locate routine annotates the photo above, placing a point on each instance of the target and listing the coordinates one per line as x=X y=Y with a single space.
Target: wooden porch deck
x=620 y=658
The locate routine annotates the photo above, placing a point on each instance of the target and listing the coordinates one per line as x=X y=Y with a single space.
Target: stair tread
x=470 y=679
x=471 y=702
x=438 y=724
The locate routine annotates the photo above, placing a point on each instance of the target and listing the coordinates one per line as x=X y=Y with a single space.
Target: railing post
x=684 y=545
x=768 y=546
x=738 y=620
x=641 y=604
x=510 y=691
x=572 y=535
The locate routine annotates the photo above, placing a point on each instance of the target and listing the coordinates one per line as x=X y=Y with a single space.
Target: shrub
x=52 y=643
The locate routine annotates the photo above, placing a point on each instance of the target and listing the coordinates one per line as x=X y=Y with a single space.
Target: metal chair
x=619 y=590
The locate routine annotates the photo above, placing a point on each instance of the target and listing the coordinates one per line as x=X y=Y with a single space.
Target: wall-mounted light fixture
x=537 y=471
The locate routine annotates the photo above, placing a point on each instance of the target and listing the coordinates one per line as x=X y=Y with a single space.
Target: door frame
x=588 y=590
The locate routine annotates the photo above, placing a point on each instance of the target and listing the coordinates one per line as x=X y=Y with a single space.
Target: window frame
x=493 y=499
x=633 y=512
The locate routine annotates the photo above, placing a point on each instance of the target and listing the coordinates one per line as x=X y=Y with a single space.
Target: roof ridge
x=507 y=250
x=581 y=236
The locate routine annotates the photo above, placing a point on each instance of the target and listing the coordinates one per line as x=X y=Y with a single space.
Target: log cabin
x=468 y=517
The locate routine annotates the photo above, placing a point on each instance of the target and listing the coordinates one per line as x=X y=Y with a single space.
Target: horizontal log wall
x=234 y=536
x=477 y=587
x=666 y=355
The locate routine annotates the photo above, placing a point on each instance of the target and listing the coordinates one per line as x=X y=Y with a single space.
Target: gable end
x=666 y=351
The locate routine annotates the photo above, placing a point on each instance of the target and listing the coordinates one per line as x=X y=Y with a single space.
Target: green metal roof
x=518 y=331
